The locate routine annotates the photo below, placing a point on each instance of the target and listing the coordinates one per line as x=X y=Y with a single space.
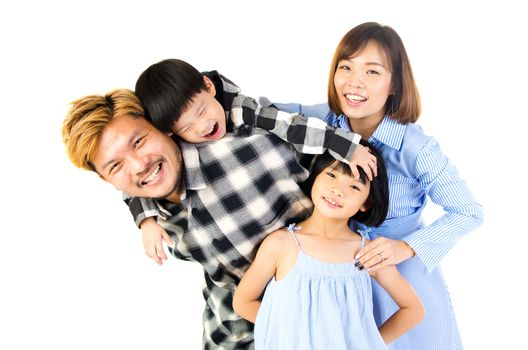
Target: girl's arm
x=246 y=300
x=306 y=135
x=144 y=210
x=411 y=310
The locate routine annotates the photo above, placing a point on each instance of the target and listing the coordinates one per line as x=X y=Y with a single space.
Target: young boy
x=198 y=108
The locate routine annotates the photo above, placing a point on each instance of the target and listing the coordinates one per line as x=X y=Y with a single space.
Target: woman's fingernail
x=357 y=256
x=357 y=264
x=361 y=267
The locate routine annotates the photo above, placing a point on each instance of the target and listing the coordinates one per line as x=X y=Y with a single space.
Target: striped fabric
x=417 y=170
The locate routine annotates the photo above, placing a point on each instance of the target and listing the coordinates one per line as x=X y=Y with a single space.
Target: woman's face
x=363 y=84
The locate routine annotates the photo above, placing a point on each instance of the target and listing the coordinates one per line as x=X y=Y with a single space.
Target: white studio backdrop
x=73 y=271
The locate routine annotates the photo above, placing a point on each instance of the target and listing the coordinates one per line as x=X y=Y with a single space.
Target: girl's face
x=337 y=195
x=363 y=84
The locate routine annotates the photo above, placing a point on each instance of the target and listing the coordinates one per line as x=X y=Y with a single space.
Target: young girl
x=316 y=297
x=371 y=90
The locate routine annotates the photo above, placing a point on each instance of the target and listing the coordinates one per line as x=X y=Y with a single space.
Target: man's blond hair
x=87 y=118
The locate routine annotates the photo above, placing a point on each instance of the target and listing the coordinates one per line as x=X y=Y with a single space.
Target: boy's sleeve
x=141 y=208
x=307 y=135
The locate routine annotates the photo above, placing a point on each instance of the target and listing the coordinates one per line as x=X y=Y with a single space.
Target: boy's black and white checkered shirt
x=236 y=191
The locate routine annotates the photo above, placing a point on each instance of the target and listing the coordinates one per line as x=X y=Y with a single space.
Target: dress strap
x=291 y=229
x=362 y=233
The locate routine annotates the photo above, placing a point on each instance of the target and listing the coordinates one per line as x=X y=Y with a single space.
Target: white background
x=72 y=270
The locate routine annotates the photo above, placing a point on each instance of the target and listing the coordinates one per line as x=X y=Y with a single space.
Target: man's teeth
x=355 y=97
x=152 y=176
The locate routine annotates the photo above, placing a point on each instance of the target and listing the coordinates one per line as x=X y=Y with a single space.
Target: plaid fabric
x=238 y=190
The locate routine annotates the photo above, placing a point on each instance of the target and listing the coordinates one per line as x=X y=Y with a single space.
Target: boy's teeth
x=153 y=175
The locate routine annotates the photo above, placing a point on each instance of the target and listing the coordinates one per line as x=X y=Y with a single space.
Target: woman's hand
x=382 y=252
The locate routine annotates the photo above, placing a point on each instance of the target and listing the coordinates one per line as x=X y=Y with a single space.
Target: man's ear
x=209 y=86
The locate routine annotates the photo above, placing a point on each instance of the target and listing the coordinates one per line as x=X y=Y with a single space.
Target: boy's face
x=204 y=120
x=139 y=159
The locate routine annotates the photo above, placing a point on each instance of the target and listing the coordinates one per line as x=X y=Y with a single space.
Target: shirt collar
x=390 y=133
x=193 y=176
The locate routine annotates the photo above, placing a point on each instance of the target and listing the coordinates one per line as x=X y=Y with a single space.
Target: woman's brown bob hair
x=404 y=104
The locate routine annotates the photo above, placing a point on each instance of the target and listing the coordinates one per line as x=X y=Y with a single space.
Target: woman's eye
x=344 y=67
x=370 y=71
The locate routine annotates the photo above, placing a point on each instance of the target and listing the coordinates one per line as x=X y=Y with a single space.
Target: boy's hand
x=153 y=236
x=365 y=160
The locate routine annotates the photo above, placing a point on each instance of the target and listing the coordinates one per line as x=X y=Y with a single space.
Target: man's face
x=139 y=159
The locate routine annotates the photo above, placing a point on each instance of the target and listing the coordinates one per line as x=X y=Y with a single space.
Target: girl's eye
x=330 y=174
x=354 y=187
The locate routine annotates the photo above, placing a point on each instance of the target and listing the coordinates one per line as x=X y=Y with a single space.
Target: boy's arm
x=246 y=300
x=307 y=135
x=144 y=211
x=411 y=310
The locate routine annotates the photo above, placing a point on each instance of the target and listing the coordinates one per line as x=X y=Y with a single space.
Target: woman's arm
x=411 y=310
x=442 y=183
x=246 y=300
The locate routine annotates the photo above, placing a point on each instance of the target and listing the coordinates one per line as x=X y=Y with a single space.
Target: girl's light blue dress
x=417 y=171
x=318 y=305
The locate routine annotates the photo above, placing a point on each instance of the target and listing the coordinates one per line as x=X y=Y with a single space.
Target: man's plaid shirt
x=236 y=191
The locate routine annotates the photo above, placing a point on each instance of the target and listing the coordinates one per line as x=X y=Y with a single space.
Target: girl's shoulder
x=278 y=241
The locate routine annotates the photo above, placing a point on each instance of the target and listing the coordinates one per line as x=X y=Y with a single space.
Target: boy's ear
x=209 y=86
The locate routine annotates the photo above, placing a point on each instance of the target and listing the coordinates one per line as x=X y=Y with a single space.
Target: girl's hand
x=382 y=252
x=364 y=159
x=153 y=237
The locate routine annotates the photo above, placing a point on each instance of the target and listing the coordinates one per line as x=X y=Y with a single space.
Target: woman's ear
x=209 y=86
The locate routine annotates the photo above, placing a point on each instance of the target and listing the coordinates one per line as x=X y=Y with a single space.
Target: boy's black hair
x=378 y=198
x=166 y=89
